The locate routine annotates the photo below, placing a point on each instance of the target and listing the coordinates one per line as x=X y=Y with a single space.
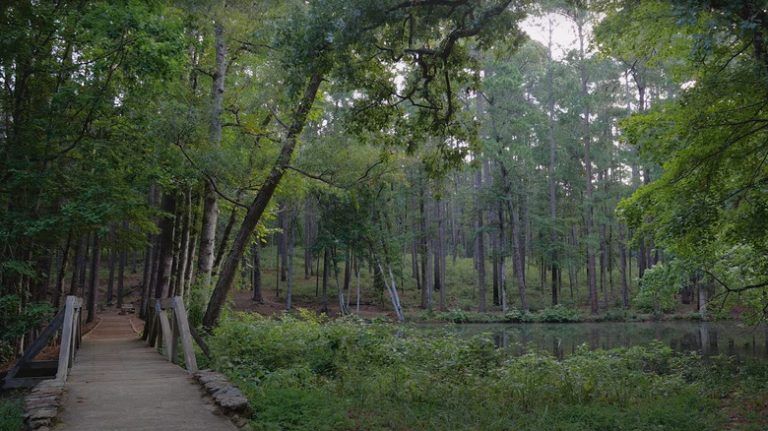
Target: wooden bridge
x=118 y=381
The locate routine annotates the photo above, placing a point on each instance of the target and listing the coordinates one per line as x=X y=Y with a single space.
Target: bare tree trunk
x=288 y=234
x=518 y=261
x=502 y=251
x=78 y=276
x=59 y=290
x=326 y=268
x=121 y=263
x=282 y=241
x=580 y=23
x=191 y=246
x=210 y=206
x=162 y=289
x=426 y=286
x=551 y=168
x=146 y=276
x=480 y=243
x=255 y=255
x=308 y=239
x=93 y=285
x=439 y=255
x=181 y=266
x=112 y=263
x=224 y=240
x=623 y=269
x=347 y=275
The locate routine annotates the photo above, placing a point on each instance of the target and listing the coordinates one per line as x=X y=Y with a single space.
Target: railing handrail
x=66 y=320
x=166 y=333
x=71 y=336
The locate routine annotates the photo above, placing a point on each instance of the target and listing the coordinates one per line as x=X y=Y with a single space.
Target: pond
x=560 y=339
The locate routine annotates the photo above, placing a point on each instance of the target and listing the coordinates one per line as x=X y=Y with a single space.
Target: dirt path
x=120 y=383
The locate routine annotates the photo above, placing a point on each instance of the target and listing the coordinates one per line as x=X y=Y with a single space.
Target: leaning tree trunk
x=259 y=204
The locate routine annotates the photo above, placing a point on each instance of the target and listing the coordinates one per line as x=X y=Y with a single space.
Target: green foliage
x=11 y=411
x=658 y=288
x=558 y=313
x=302 y=374
x=16 y=320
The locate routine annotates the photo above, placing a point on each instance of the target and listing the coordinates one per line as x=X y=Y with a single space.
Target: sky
x=563 y=32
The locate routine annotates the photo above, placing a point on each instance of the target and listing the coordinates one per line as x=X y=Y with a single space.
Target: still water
x=727 y=338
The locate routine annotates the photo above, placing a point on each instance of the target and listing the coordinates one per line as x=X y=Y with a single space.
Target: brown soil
x=274 y=306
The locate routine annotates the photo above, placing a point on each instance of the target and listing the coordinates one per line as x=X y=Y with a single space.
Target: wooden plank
x=66 y=338
x=38 y=345
x=165 y=327
x=186 y=337
x=22 y=382
x=38 y=365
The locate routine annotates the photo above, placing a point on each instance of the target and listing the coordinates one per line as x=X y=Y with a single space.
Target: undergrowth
x=309 y=374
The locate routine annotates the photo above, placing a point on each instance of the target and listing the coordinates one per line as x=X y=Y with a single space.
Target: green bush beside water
x=308 y=374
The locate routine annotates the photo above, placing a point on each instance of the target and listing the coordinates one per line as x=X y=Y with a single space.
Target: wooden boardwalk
x=120 y=383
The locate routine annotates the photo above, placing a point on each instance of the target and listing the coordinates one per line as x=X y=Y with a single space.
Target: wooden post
x=186 y=336
x=165 y=329
x=69 y=335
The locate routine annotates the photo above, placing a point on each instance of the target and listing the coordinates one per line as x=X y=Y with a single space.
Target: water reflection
x=728 y=338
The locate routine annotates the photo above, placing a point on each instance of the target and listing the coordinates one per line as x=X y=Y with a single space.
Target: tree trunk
x=439 y=254
x=623 y=269
x=584 y=94
x=259 y=204
x=518 y=261
x=479 y=242
x=112 y=264
x=426 y=286
x=147 y=275
x=181 y=266
x=255 y=255
x=59 y=290
x=210 y=206
x=93 y=285
x=78 y=272
x=326 y=268
x=551 y=168
x=289 y=264
x=162 y=289
x=282 y=241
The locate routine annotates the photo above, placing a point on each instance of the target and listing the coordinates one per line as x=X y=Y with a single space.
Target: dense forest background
x=383 y=158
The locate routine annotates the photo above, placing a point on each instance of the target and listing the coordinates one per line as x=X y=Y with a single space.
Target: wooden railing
x=67 y=322
x=166 y=326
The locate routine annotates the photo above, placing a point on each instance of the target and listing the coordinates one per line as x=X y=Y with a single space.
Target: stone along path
x=120 y=383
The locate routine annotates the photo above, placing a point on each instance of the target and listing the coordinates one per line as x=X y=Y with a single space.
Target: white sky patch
x=564 y=33
x=688 y=84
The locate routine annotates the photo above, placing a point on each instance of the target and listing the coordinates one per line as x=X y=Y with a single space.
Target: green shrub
x=15 y=321
x=302 y=374
x=519 y=316
x=658 y=288
x=559 y=313
x=11 y=414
